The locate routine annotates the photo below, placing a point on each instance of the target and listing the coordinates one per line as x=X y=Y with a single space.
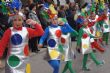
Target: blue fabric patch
x=51 y=43
x=16 y=39
x=66 y=28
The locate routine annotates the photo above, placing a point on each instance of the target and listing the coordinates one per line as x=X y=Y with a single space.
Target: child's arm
x=44 y=37
x=66 y=28
x=79 y=37
x=38 y=31
x=74 y=33
x=4 y=41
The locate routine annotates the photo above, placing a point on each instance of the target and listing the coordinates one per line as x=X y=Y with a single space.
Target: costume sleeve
x=66 y=28
x=101 y=18
x=45 y=35
x=91 y=24
x=74 y=33
x=38 y=31
x=79 y=37
x=4 y=41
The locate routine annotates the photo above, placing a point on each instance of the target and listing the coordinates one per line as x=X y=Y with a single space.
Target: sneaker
x=101 y=63
x=38 y=50
x=86 y=69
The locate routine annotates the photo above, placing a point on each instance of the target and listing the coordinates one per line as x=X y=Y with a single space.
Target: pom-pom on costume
x=18 y=52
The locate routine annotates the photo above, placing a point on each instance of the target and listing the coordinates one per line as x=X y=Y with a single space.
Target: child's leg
x=65 y=68
x=85 y=61
x=106 y=37
x=55 y=64
x=68 y=66
x=93 y=56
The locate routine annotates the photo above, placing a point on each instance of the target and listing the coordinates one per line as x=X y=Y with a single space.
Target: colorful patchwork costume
x=18 y=52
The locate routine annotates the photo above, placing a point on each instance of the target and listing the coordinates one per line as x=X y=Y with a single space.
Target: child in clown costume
x=53 y=35
x=16 y=38
x=67 y=47
x=85 y=40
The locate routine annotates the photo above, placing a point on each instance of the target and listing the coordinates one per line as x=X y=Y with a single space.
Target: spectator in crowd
x=32 y=15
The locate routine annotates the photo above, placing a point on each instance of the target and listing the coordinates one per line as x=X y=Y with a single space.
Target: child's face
x=55 y=21
x=17 y=21
x=85 y=23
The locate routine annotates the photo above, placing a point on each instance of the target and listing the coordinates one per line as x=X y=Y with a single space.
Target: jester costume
x=85 y=40
x=17 y=60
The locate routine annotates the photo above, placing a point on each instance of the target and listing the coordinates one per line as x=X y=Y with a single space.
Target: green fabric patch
x=13 y=61
x=60 y=48
x=106 y=26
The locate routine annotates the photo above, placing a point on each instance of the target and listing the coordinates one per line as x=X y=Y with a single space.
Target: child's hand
x=40 y=45
x=78 y=49
x=61 y=23
x=31 y=22
x=1 y=65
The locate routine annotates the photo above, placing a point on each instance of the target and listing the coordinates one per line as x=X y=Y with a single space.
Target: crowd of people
x=53 y=26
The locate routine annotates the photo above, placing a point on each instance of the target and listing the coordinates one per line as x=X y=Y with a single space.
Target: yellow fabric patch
x=28 y=68
x=96 y=1
x=54 y=54
x=63 y=57
x=98 y=34
x=85 y=46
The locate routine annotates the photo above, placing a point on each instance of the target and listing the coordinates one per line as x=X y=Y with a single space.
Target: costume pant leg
x=106 y=37
x=85 y=60
x=65 y=68
x=93 y=57
x=55 y=64
x=70 y=66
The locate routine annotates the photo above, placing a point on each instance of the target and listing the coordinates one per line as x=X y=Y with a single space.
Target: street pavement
x=39 y=65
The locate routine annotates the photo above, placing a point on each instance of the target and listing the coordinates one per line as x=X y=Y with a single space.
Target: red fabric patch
x=26 y=51
x=58 y=33
x=63 y=40
x=85 y=35
x=91 y=30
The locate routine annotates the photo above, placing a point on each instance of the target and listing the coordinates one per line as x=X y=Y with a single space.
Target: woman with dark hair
x=32 y=15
